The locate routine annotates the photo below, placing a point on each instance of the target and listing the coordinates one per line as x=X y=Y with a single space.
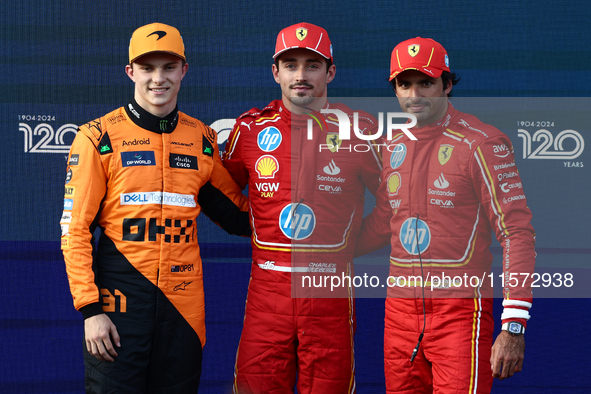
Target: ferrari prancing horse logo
x=301 y=33
x=334 y=142
x=413 y=49
x=444 y=153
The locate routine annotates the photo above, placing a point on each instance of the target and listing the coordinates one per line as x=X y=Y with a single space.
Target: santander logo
x=331 y=168
x=441 y=182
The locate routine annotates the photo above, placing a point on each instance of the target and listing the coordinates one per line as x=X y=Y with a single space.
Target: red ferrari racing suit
x=306 y=205
x=143 y=181
x=447 y=192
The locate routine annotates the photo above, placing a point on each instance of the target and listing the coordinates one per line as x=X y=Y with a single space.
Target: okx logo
x=297 y=221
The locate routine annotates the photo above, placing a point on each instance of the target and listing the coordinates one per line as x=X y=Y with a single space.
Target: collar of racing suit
x=300 y=120
x=434 y=129
x=150 y=122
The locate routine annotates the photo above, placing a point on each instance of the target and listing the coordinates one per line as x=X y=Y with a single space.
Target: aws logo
x=501 y=150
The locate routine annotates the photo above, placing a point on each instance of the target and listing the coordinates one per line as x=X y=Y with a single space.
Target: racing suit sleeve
x=233 y=159
x=86 y=186
x=374 y=233
x=499 y=188
x=375 y=227
x=221 y=199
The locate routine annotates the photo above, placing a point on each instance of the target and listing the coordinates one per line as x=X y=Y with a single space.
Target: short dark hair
x=446 y=78
x=328 y=63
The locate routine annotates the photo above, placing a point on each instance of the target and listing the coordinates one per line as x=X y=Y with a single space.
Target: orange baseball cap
x=422 y=54
x=304 y=35
x=156 y=37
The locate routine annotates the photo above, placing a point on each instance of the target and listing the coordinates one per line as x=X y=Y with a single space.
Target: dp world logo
x=269 y=139
x=297 y=221
x=398 y=156
x=415 y=236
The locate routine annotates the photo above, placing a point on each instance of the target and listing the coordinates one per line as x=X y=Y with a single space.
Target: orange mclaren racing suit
x=143 y=181
x=447 y=192
x=306 y=197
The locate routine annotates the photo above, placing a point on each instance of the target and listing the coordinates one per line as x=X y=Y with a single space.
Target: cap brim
x=311 y=49
x=157 y=51
x=436 y=72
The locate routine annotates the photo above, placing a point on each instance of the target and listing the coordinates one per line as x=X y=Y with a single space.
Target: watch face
x=514 y=328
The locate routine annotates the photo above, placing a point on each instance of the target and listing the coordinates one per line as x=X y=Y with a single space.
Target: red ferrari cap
x=422 y=54
x=156 y=37
x=304 y=35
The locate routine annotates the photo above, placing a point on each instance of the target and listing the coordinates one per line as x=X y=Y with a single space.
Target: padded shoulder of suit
x=470 y=124
x=472 y=127
x=255 y=113
x=95 y=129
x=189 y=121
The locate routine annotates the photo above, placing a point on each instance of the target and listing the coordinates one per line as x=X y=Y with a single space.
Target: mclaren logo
x=444 y=153
x=159 y=33
x=413 y=49
x=301 y=33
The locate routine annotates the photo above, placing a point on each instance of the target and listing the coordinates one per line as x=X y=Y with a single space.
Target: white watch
x=513 y=328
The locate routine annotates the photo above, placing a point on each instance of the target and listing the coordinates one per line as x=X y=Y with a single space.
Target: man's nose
x=158 y=76
x=415 y=91
x=301 y=75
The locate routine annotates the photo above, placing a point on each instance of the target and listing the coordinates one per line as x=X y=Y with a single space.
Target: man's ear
x=332 y=70
x=185 y=69
x=449 y=87
x=275 y=72
x=129 y=72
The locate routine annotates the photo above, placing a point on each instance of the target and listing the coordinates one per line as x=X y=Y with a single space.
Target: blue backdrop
x=62 y=64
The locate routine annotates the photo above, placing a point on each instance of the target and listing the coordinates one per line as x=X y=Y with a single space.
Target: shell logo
x=394 y=182
x=267 y=166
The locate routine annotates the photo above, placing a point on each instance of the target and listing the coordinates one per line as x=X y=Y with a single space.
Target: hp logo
x=269 y=139
x=297 y=221
x=398 y=156
x=415 y=236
